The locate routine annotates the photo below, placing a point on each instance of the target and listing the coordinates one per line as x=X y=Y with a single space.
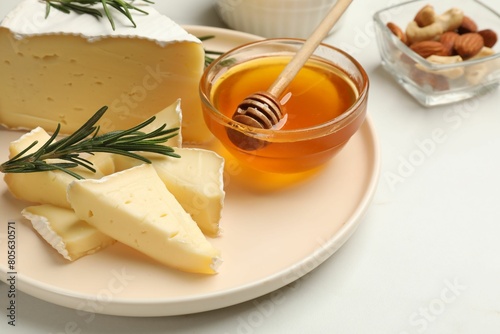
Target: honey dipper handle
x=301 y=57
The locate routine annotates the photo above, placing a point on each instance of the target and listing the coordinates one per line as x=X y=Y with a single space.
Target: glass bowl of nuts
x=440 y=51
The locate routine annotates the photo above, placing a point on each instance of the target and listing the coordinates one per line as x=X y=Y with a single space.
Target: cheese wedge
x=196 y=180
x=135 y=208
x=63 y=68
x=37 y=134
x=65 y=232
x=49 y=187
x=172 y=117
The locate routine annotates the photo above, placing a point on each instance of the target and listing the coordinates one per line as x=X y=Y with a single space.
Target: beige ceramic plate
x=271 y=237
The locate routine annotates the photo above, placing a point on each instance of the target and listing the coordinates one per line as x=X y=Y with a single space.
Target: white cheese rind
x=65 y=232
x=62 y=69
x=135 y=208
x=28 y=20
x=42 y=226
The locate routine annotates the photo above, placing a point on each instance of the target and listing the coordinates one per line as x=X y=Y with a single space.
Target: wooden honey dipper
x=262 y=109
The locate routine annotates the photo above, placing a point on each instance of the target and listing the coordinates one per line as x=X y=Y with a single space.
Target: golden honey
x=317 y=95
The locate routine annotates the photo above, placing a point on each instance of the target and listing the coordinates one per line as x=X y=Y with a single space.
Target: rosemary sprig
x=87 y=140
x=86 y=7
x=210 y=55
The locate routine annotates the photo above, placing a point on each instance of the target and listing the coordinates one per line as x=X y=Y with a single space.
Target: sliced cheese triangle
x=196 y=179
x=65 y=232
x=135 y=208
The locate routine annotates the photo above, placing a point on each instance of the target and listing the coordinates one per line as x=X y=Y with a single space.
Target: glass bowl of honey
x=323 y=106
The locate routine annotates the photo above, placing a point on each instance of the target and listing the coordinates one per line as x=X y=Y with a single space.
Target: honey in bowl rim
x=318 y=73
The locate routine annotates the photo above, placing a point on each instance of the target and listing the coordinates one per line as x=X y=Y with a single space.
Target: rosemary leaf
x=84 y=10
x=87 y=7
x=64 y=154
x=123 y=7
x=58 y=7
x=205 y=38
x=108 y=14
x=47 y=9
x=210 y=55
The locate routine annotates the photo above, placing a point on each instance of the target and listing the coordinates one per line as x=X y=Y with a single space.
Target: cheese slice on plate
x=135 y=208
x=37 y=134
x=196 y=179
x=49 y=187
x=63 y=68
x=63 y=230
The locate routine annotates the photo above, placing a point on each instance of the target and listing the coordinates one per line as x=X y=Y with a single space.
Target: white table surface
x=426 y=257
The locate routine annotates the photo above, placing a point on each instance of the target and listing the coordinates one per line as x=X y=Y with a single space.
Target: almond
x=425 y=80
x=489 y=37
x=429 y=48
x=406 y=60
x=468 y=25
x=396 y=30
x=448 y=40
x=425 y=16
x=468 y=45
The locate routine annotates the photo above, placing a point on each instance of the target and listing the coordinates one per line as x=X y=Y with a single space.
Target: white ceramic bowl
x=275 y=18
